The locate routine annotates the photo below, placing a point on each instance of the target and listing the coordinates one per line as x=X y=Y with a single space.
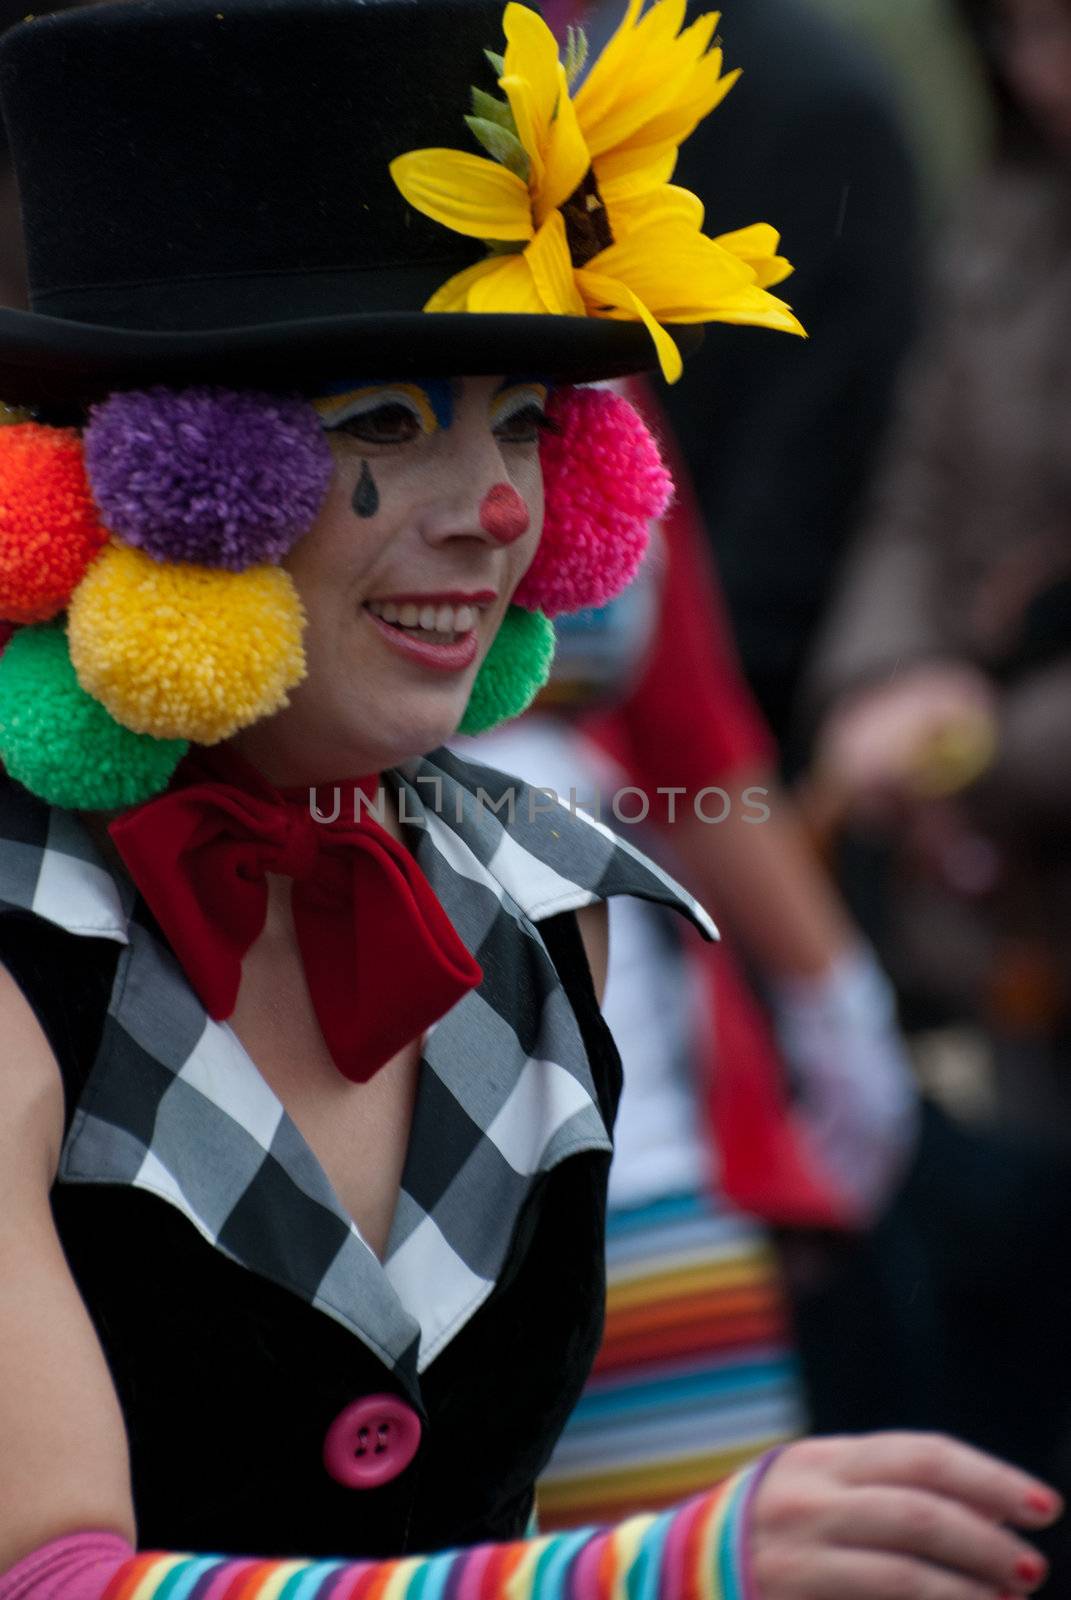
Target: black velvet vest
x=230 y=1369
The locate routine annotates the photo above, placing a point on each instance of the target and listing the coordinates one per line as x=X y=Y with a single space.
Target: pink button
x=372 y=1441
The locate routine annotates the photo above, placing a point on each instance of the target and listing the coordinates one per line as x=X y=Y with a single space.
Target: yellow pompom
x=185 y=652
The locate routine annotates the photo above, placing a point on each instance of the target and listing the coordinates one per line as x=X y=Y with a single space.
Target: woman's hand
x=895 y=1516
x=928 y=731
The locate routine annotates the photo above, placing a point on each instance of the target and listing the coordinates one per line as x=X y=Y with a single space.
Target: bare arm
x=763 y=879
x=63 y=1451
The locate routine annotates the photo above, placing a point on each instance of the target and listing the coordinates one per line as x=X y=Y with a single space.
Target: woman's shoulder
x=538 y=848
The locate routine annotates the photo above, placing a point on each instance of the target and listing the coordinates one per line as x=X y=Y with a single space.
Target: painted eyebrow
x=425 y=399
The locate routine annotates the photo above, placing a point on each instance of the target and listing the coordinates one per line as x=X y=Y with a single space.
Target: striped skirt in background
x=696 y=1374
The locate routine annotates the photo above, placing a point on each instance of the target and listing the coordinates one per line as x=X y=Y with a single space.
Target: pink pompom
x=603 y=481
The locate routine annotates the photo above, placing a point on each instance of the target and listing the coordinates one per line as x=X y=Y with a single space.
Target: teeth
x=430 y=619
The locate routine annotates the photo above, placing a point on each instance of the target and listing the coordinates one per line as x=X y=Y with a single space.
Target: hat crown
x=202 y=163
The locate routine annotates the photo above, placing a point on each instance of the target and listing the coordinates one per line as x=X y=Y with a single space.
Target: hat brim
x=50 y=361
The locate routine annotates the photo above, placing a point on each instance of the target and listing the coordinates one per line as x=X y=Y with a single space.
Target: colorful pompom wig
x=182 y=627
x=603 y=483
x=61 y=743
x=50 y=529
x=185 y=652
x=222 y=477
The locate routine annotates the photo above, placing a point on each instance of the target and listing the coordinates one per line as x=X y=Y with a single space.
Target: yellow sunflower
x=576 y=206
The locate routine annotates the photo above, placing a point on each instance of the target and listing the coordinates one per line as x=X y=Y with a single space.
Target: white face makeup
x=432 y=519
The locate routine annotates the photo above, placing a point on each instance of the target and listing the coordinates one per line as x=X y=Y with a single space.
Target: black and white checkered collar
x=505 y=1090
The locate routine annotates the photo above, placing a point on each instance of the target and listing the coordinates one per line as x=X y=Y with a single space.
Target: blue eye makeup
x=387 y=413
x=395 y=413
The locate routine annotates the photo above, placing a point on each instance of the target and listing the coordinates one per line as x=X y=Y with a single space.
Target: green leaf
x=491 y=109
x=576 y=53
x=497 y=62
x=502 y=144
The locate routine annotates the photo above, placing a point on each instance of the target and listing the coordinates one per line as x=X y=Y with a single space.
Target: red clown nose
x=504 y=514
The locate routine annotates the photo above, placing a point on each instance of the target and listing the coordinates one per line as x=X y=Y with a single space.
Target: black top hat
x=206 y=196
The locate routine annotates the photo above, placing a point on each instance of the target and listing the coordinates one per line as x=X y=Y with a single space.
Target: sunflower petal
x=530 y=81
x=599 y=291
x=537 y=89
x=600 y=85
x=670 y=265
x=453 y=295
x=636 y=174
x=464 y=192
x=664 y=77
x=522 y=104
x=679 y=120
x=567 y=154
x=758 y=309
x=758 y=246
x=511 y=289
x=552 y=269
x=669 y=204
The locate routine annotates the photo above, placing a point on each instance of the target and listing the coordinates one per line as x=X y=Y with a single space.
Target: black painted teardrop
x=366 y=495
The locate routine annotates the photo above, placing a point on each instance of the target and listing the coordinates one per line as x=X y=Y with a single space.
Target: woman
x=311 y=1070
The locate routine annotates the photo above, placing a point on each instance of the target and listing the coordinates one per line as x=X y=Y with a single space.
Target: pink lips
x=440 y=657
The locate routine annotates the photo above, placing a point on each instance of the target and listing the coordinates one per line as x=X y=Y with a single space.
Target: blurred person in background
x=779 y=443
x=712 y=1152
x=780 y=454
x=784 y=1252
x=944 y=676
x=939 y=85
x=943 y=696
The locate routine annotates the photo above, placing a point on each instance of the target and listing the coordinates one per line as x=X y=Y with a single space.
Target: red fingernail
x=1043 y=1503
x=1030 y=1569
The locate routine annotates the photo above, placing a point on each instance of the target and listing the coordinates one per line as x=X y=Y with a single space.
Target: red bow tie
x=382 y=959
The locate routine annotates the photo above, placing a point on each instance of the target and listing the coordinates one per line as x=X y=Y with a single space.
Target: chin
x=410 y=727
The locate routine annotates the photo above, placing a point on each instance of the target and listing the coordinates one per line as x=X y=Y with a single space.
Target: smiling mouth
x=428 y=624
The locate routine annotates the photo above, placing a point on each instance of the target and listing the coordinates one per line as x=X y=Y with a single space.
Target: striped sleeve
x=695 y=1552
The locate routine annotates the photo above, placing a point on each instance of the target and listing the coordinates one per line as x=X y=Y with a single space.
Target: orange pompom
x=50 y=528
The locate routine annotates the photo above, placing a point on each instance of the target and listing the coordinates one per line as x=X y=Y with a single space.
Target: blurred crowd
x=841 y=1195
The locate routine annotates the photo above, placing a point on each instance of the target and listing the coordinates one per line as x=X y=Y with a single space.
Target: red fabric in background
x=689 y=720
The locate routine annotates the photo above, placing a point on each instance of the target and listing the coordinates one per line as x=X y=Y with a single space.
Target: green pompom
x=515 y=669
x=61 y=744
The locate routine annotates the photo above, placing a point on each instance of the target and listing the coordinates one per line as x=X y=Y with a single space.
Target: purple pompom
x=222 y=477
